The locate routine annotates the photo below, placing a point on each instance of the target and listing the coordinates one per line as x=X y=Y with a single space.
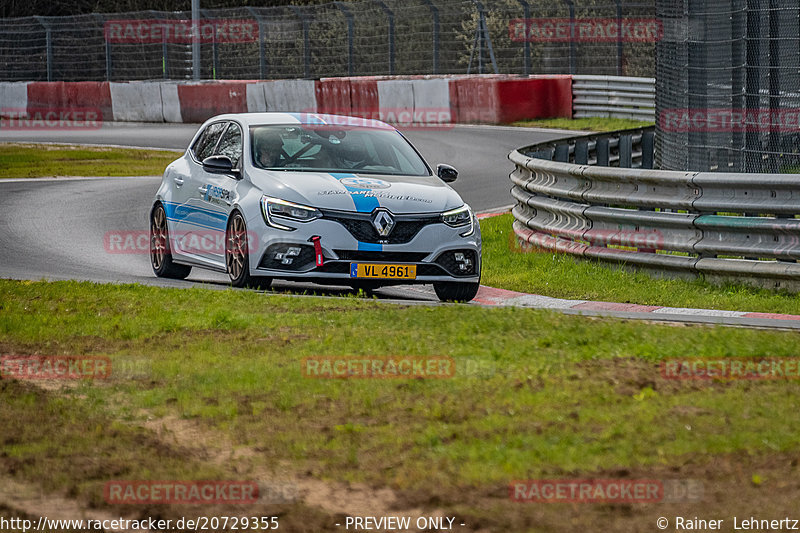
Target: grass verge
x=23 y=160
x=555 y=396
x=598 y=124
x=507 y=266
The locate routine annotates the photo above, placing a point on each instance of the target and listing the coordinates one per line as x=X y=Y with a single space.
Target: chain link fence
x=374 y=37
x=728 y=85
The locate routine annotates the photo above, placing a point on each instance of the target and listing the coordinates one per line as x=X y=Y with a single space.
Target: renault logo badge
x=383 y=222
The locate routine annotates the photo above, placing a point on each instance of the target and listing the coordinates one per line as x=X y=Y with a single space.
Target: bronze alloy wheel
x=160 y=254
x=158 y=238
x=236 y=255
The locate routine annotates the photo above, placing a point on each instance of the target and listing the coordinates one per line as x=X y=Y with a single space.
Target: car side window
x=231 y=144
x=204 y=146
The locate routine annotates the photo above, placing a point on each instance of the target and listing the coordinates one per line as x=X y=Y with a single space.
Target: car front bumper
x=433 y=248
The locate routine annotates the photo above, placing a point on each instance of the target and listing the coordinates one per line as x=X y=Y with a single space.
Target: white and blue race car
x=310 y=197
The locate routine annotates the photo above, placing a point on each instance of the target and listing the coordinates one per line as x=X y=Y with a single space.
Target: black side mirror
x=446 y=173
x=219 y=164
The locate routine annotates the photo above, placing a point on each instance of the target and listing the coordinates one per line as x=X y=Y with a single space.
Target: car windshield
x=327 y=148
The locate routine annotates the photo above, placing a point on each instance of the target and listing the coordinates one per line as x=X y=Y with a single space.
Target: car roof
x=259 y=119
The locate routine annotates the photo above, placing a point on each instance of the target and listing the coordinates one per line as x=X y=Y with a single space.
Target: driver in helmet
x=269 y=149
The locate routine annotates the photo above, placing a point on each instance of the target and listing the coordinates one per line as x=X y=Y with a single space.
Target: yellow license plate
x=382 y=271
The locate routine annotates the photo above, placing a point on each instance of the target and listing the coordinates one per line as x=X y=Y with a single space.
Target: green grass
x=18 y=160
x=598 y=124
x=232 y=360
x=506 y=265
x=557 y=395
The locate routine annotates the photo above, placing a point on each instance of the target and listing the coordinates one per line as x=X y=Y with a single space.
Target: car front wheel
x=454 y=291
x=237 y=255
x=160 y=252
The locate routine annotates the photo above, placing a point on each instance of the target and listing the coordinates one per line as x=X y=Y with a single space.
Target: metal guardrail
x=614 y=97
x=722 y=226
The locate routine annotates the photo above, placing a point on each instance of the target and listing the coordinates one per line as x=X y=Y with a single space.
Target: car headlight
x=460 y=218
x=275 y=209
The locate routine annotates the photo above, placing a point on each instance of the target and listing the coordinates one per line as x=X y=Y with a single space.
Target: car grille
x=360 y=226
x=385 y=257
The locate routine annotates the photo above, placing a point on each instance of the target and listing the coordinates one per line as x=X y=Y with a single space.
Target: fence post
x=738 y=76
x=773 y=145
x=306 y=51
x=262 y=53
x=571 y=7
x=488 y=40
x=99 y=17
x=196 y=39
x=526 y=51
x=350 y=30
x=390 y=17
x=164 y=58
x=752 y=84
x=214 y=45
x=435 y=13
x=49 y=44
x=481 y=37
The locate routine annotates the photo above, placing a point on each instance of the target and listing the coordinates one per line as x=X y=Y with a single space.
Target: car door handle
x=178 y=180
x=203 y=190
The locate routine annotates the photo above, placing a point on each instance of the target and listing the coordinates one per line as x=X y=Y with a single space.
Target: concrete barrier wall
x=136 y=102
x=78 y=95
x=291 y=95
x=13 y=98
x=487 y=99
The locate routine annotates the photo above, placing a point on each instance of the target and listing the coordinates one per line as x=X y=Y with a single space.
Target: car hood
x=359 y=192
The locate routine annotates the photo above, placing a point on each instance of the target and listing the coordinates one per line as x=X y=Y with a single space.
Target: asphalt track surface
x=54 y=228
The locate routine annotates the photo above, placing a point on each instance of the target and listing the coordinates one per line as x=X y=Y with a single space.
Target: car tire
x=237 y=255
x=454 y=291
x=160 y=247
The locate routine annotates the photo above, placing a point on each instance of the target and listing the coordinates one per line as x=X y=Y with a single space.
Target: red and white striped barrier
x=488 y=99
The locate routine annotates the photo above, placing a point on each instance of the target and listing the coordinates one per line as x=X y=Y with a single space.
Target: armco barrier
x=724 y=227
x=614 y=97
